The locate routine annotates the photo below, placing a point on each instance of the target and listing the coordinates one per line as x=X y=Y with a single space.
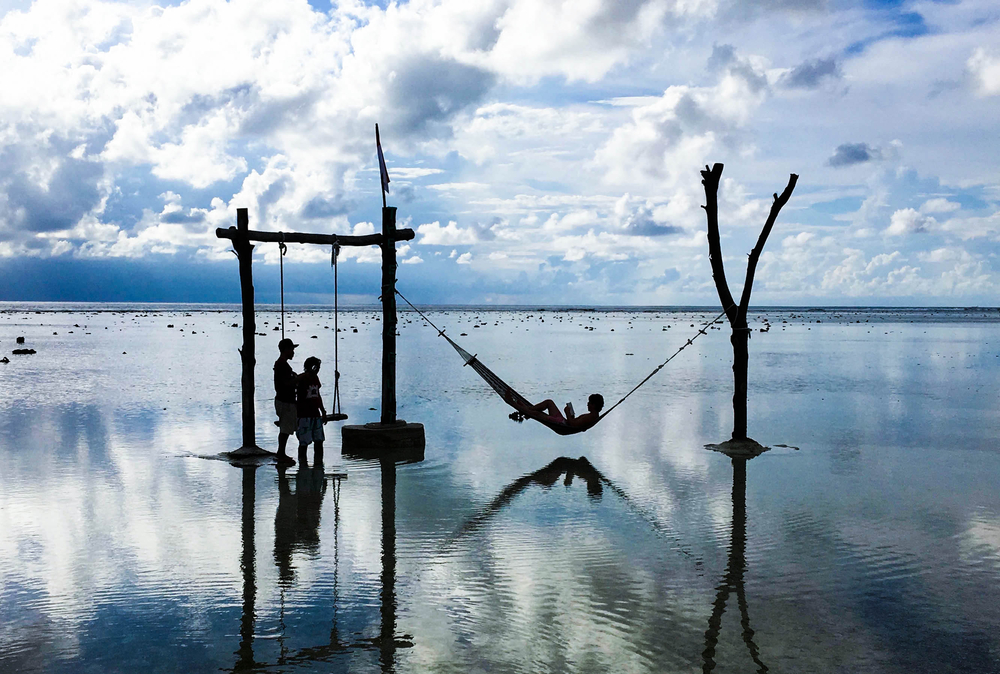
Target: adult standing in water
x=310 y=410
x=285 y=381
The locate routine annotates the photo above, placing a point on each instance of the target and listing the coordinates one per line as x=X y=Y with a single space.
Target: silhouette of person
x=595 y=403
x=284 y=398
x=310 y=409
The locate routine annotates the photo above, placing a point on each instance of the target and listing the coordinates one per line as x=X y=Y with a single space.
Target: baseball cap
x=286 y=344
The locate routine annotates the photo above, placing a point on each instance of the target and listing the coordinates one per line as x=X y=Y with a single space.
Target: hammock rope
x=520 y=403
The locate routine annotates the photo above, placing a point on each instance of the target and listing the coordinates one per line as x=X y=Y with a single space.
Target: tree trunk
x=737 y=314
x=741 y=360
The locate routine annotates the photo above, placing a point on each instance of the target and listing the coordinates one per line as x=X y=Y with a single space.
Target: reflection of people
x=594 y=406
x=310 y=409
x=284 y=397
x=296 y=522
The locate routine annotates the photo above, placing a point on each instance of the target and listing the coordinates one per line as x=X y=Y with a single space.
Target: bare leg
x=282 y=442
x=548 y=407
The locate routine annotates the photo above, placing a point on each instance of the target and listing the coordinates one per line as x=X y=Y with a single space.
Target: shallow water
x=127 y=545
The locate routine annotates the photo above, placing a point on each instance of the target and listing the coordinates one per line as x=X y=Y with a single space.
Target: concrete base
x=376 y=441
x=739 y=449
x=248 y=451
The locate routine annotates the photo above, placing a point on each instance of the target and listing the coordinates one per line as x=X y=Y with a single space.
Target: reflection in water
x=546 y=477
x=732 y=581
x=296 y=522
x=244 y=656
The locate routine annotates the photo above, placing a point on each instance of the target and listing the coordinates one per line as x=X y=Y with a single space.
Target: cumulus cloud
x=984 y=67
x=669 y=138
x=638 y=220
x=910 y=221
x=939 y=205
x=433 y=234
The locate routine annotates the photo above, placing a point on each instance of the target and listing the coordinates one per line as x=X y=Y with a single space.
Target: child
x=310 y=409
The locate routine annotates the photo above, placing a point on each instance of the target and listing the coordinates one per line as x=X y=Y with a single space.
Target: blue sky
x=545 y=152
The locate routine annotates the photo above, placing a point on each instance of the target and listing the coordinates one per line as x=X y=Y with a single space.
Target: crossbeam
x=305 y=237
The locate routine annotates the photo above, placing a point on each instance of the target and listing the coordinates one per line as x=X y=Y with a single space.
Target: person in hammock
x=595 y=403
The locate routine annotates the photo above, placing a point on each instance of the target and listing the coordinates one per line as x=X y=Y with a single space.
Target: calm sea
x=867 y=539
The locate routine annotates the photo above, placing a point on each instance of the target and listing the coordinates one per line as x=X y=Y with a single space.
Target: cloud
x=670 y=138
x=46 y=189
x=908 y=221
x=433 y=234
x=939 y=205
x=639 y=220
x=811 y=73
x=429 y=90
x=464 y=258
x=849 y=154
x=984 y=67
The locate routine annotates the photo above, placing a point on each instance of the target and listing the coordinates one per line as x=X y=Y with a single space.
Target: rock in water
x=20 y=340
x=23 y=352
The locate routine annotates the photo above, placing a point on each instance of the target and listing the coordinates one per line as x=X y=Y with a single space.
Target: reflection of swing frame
x=242 y=235
x=385 y=643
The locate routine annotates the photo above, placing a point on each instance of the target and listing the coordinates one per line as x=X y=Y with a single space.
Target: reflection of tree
x=732 y=580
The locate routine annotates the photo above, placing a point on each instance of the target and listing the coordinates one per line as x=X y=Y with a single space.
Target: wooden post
x=244 y=251
x=388 y=315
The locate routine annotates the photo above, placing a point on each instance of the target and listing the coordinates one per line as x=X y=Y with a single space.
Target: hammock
x=521 y=404
x=512 y=397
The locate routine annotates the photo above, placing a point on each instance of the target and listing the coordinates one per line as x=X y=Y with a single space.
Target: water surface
x=127 y=545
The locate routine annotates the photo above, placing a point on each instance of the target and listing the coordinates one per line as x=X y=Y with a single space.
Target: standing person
x=310 y=409
x=285 y=380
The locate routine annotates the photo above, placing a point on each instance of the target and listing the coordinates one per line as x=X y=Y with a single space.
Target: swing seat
x=336 y=416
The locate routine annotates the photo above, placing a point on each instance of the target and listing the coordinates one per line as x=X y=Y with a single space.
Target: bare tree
x=737 y=315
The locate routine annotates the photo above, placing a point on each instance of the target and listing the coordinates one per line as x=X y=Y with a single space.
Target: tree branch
x=776 y=205
x=710 y=179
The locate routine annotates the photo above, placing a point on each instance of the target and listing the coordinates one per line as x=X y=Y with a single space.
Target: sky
x=544 y=152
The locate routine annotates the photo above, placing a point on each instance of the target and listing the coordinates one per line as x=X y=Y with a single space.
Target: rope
x=661 y=365
x=281 y=265
x=335 y=253
x=500 y=387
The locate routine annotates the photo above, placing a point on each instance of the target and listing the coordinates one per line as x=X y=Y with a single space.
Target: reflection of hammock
x=521 y=404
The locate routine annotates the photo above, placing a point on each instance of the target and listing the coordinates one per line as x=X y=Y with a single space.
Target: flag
x=383 y=173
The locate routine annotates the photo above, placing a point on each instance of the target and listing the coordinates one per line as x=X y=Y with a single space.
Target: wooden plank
x=305 y=237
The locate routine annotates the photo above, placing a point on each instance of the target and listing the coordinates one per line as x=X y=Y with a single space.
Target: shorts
x=310 y=430
x=288 y=420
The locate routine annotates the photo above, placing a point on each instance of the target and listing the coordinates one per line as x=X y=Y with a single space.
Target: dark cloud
x=429 y=91
x=809 y=74
x=641 y=223
x=71 y=192
x=722 y=56
x=724 y=59
x=179 y=218
x=326 y=207
x=849 y=154
x=484 y=232
x=405 y=193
